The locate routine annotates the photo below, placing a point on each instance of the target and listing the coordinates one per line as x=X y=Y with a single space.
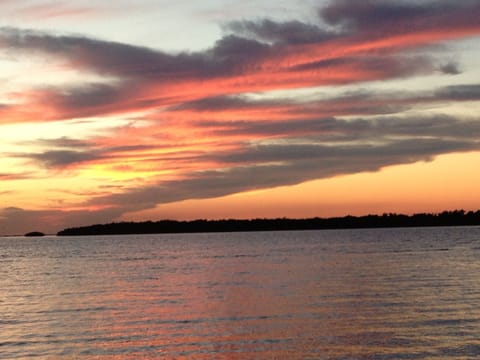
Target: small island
x=35 y=234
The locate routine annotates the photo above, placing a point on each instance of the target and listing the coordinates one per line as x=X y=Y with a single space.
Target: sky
x=159 y=109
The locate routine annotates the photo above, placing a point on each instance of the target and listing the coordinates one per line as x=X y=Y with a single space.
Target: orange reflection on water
x=362 y=294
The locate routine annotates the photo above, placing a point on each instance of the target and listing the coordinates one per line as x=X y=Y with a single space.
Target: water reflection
x=369 y=294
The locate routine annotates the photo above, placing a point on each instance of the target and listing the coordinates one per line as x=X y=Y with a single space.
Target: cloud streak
x=257 y=56
x=210 y=124
x=374 y=145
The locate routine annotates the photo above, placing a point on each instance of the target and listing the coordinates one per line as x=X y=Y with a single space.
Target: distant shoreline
x=446 y=218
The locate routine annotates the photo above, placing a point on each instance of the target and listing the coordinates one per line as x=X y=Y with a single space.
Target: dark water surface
x=346 y=294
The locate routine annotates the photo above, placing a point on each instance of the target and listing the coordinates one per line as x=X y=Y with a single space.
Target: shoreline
x=446 y=218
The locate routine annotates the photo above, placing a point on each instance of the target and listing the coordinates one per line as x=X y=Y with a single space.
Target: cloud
x=413 y=138
x=244 y=51
x=289 y=32
x=66 y=152
x=14 y=176
x=272 y=127
x=91 y=99
x=384 y=17
x=254 y=56
x=49 y=10
x=451 y=68
x=373 y=145
x=61 y=158
x=204 y=131
x=459 y=92
x=86 y=96
x=289 y=164
x=282 y=117
x=331 y=130
x=103 y=57
x=60 y=152
x=230 y=55
x=62 y=142
x=213 y=110
x=217 y=103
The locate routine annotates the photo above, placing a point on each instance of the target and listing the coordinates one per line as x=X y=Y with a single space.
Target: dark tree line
x=446 y=218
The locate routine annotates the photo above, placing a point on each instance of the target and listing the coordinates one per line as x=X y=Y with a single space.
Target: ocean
x=410 y=293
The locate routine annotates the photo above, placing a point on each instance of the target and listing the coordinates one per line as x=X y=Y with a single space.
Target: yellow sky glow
x=448 y=182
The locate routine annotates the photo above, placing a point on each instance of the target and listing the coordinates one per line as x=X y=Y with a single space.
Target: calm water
x=362 y=294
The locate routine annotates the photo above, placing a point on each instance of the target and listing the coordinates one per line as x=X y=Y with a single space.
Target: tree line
x=445 y=218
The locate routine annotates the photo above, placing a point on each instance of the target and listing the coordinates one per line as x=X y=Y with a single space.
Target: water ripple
x=363 y=294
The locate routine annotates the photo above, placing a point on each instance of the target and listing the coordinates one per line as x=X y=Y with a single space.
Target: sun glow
x=402 y=189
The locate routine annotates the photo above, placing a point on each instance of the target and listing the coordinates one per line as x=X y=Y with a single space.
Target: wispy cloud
x=48 y=10
x=14 y=176
x=61 y=153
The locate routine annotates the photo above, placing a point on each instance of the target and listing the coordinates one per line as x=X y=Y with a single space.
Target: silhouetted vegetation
x=34 y=233
x=446 y=218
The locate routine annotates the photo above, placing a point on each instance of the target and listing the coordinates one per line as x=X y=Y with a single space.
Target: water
x=346 y=294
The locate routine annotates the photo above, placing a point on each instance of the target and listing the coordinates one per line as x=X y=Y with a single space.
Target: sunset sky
x=154 y=109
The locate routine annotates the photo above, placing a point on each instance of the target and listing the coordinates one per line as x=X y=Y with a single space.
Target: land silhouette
x=445 y=218
x=34 y=234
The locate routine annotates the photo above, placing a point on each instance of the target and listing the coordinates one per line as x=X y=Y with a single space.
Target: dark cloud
x=104 y=57
x=62 y=142
x=338 y=130
x=97 y=99
x=289 y=32
x=229 y=55
x=61 y=158
x=459 y=92
x=235 y=52
x=75 y=144
x=65 y=152
x=393 y=66
x=383 y=17
x=451 y=68
x=87 y=96
x=439 y=126
x=219 y=103
x=385 y=66
x=127 y=148
x=371 y=13
x=272 y=128
x=391 y=152
x=364 y=102
x=61 y=152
